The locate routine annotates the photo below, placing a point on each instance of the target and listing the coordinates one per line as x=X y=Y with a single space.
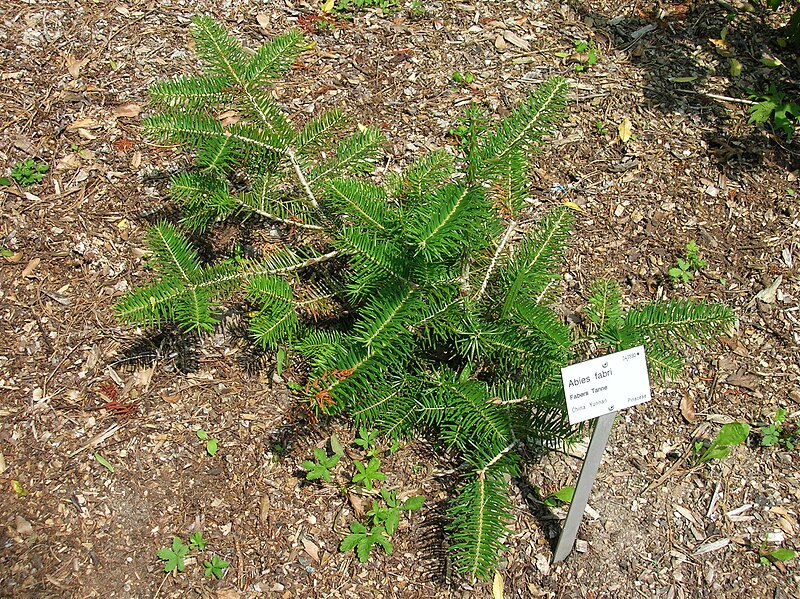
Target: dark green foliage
x=448 y=325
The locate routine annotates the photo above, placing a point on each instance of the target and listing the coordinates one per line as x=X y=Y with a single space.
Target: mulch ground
x=75 y=384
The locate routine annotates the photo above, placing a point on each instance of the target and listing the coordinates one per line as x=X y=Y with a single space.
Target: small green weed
x=563 y=495
x=776 y=434
x=463 y=78
x=388 y=515
x=212 y=445
x=773 y=106
x=384 y=520
x=19 y=490
x=767 y=558
x=321 y=468
x=104 y=462
x=366 y=441
x=367 y=475
x=584 y=55
x=730 y=435
x=364 y=540
x=587 y=55
x=345 y=8
x=173 y=556
x=601 y=128
x=417 y=10
x=215 y=568
x=28 y=172
x=686 y=268
x=196 y=541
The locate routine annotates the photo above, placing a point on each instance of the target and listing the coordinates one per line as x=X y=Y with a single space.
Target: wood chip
x=31 y=266
x=311 y=549
x=513 y=38
x=679 y=509
x=127 y=110
x=714 y=546
x=687 y=408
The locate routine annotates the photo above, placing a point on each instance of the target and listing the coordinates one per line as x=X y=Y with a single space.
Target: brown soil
x=74 y=78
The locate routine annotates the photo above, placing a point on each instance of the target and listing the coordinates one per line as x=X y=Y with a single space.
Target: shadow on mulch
x=671 y=45
x=168 y=346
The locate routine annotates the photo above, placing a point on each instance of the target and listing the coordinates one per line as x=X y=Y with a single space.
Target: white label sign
x=607 y=384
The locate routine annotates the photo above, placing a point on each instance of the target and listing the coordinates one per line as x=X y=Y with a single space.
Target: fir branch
x=175 y=256
x=223 y=53
x=679 y=320
x=425 y=174
x=257 y=140
x=150 y=305
x=385 y=314
x=526 y=125
x=364 y=202
x=353 y=154
x=261 y=199
x=319 y=130
x=499 y=456
x=604 y=309
x=289 y=268
x=191 y=93
x=193 y=312
x=371 y=409
x=274 y=58
x=300 y=177
x=535 y=260
x=500 y=247
x=480 y=514
x=181 y=128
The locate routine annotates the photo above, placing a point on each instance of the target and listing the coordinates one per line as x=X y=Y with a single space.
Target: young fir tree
x=449 y=329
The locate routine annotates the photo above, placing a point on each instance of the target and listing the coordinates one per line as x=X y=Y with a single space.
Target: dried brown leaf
x=513 y=38
x=23 y=526
x=311 y=549
x=86 y=123
x=498 y=586
x=624 y=130
x=127 y=110
x=28 y=271
x=687 y=408
x=357 y=503
x=74 y=65
x=742 y=378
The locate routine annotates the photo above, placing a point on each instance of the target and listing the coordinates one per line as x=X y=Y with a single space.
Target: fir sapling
x=448 y=327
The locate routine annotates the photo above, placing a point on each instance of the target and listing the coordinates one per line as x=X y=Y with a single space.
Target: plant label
x=606 y=384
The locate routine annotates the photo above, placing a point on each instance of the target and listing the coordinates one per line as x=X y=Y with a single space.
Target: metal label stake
x=598 y=388
x=583 y=488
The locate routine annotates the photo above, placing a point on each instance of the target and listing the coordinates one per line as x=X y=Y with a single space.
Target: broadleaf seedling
x=366 y=441
x=364 y=540
x=563 y=495
x=686 y=268
x=367 y=475
x=730 y=435
x=28 y=172
x=323 y=465
x=388 y=515
x=215 y=568
x=212 y=445
x=773 y=106
x=776 y=433
x=173 y=557
x=196 y=541
x=465 y=78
